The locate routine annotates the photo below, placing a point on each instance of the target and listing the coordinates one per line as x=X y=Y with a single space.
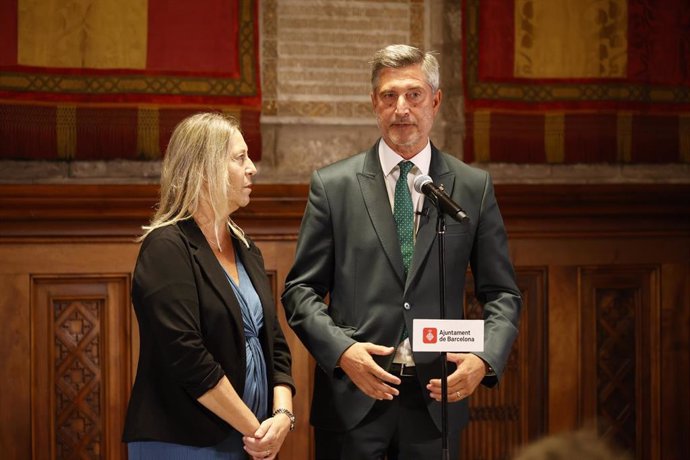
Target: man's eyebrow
x=397 y=89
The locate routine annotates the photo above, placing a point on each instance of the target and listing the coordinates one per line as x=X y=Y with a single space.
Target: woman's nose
x=251 y=168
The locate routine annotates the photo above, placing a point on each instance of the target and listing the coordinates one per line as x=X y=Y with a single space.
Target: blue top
x=255 y=388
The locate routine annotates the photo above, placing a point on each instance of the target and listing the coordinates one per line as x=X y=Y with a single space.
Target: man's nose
x=401 y=105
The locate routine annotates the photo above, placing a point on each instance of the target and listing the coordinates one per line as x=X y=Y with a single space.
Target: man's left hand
x=463 y=381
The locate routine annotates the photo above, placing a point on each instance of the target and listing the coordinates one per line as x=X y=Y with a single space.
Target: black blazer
x=348 y=250
x=191 y=334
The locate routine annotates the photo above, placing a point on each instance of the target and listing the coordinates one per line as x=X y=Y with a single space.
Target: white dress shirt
x=389 y=164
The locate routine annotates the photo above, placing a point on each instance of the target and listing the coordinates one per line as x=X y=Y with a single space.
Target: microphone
x=424 y=184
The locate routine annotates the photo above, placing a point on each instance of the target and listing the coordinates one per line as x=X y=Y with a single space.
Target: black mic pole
x=441 y=231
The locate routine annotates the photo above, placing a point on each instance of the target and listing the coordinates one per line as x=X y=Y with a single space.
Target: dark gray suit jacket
x=348 y=250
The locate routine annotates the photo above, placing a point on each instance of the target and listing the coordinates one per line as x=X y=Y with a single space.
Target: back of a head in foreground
x=578 y=445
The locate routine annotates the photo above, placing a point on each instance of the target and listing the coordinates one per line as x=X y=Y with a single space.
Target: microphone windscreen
x=420 y=181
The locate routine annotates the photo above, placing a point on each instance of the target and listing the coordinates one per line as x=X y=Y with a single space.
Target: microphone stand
x=441 y=232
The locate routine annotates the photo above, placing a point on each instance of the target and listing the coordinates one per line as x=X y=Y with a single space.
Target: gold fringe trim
x=624 y=137
x=148 y=133
x=234 y=112
x=66 y=131
x=482 y=140
x=554 y=133
x=684 y=138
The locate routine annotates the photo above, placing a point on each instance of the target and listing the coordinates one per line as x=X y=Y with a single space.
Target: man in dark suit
x=368 y=244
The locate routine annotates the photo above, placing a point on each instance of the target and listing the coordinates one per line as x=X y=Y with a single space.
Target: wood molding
x=543 y=210
x=57 y=210
x=595 y=210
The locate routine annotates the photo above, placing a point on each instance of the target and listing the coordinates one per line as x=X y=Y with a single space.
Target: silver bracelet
x=289 y=414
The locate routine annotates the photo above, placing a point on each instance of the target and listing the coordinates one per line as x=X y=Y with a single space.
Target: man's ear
x=437 y=100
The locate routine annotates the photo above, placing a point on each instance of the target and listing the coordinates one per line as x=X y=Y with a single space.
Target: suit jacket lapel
x=376 y=200
x=440 y=174
x=211 y=268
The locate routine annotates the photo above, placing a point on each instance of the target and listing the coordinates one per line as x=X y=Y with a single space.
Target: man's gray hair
x=398 y=56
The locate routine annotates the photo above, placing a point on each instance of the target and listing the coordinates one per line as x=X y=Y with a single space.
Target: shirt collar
x=389 y=159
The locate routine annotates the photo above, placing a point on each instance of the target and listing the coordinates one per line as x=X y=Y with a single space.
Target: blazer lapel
x=373 y=187
x=440 y=174
x=211 y=267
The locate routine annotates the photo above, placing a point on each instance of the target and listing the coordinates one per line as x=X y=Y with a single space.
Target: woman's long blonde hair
x=195 y=167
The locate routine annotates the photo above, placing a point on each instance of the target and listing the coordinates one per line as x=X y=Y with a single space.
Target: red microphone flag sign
x=455 y=335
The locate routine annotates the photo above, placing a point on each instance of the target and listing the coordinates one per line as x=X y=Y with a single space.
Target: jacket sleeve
x=495 y=286
x=166 y=301
x=310 y=280
x=282 y=360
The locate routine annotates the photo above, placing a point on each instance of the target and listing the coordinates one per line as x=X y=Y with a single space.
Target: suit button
x=406 y=306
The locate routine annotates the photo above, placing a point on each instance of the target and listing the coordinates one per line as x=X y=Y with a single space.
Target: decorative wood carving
x=620 y=355
x=77 y=330
x=80 y=328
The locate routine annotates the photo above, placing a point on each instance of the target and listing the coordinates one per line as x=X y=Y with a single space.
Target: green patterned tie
x=403 y=212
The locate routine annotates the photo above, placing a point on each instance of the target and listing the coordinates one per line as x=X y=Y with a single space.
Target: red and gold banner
x=568 y=81
x=110 y=79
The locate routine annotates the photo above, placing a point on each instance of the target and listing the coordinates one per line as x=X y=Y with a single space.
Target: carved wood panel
x=80 y=327
x=513 y=413
x=620 y=316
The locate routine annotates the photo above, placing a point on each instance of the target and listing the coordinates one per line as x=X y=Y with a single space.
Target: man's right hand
x=369 y=377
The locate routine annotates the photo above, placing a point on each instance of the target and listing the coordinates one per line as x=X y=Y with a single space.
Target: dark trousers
x=400 y=429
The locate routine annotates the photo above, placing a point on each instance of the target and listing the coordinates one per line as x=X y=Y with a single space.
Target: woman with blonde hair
x=214 y=373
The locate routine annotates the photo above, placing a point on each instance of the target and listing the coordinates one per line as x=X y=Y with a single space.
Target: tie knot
x=405 y=167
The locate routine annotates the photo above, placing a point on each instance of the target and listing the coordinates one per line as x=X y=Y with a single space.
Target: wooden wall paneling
x=278 y=256
x=35 y=254
x=514 y=412
x=602 y=250
x=675 y=360
x=119 y=210
x=80 y=365
x=15 y=371
x=533 y=397
x=580 y=211
x=620 y=388
x=556 y=233
x=563 y=345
